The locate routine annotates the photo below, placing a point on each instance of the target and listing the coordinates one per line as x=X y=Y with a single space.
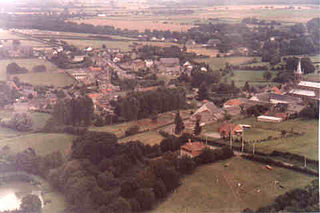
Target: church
x=305 y=89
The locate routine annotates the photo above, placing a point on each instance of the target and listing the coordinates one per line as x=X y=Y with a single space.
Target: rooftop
x=303 y=92
x=309 y=84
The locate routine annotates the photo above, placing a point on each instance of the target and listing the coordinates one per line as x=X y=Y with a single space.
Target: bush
x=132 y=130
x=39 y=68
x=212 y=155
x=19 y=121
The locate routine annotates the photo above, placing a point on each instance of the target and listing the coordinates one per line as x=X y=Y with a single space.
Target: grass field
x=219 y=63
x=123 y=45
x=139 y=24
x=6 y=34
x=42 y=143
x=46 y=79
x=306 y=144
x=150 y=137
x=254 y=78
x=27 y=63
x=214 y=188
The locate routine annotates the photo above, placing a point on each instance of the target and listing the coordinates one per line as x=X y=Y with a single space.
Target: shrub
x=132 y=130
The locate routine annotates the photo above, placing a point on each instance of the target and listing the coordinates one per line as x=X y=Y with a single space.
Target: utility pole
x=230 y=137
x=305 y=161
x=242 y=141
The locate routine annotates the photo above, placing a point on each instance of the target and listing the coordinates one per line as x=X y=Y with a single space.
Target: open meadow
x=130 y=23
x=122 y=45
x=214 y=187
x=49 y=78
x=306 y=144
x=254 y=78
x=219 y=63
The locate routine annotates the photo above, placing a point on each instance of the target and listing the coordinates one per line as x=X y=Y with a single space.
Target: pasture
x=42 y=143
x=219 y=63
x=140 y=24
x=123 y=45
x=215 y=188
x=306 y=144
x=46 y=79
x=254 y=78
x=150 y=137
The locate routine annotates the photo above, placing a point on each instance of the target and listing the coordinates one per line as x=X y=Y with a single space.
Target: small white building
x=264 y=118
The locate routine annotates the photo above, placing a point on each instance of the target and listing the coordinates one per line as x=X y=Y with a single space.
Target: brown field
x=140 y=25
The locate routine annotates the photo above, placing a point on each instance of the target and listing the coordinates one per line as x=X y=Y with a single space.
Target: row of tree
x=138 y=105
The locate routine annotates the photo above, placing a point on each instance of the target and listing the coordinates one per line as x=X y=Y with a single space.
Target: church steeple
x=298 y=72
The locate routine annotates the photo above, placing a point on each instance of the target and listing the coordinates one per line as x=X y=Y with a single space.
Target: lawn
x=214 y=188
x=254 y=78
x=219 y=63
x=46 y=79
x=150 y=137
x=6 y=34
x=42 y=143
x=123 y=45
x=27 y=63
x=306 y=144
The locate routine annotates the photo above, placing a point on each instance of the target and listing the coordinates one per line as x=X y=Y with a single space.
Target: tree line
x=138 y=105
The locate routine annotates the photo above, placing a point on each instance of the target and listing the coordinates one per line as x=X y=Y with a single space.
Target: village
x=102 y=114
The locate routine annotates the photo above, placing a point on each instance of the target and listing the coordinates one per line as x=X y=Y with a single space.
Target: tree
x=145 y=197
x=14 y=68
x=203 y=92
x=179 y=123
x=197 y=128
x=246 y=87
x=30 y=204
x=267 y=75
x=20 y=122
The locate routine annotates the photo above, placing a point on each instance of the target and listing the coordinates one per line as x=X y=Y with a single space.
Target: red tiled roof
x=234 y=102
x=95 y=69
x=276 y=90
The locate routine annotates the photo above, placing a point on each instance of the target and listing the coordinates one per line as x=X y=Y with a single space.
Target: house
x=227 y=129
x=78 y=59
x=207 y=113
x=149 y=63
x=193 y=149
x=283 y=99
x=271 y=119
x=276 y=90
x=235 y=102
x=95 y=69
x=138 y=64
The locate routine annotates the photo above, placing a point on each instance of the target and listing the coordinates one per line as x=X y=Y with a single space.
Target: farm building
x=193 y=149
x=207 y=113
x=272 y=119
x=225 y=129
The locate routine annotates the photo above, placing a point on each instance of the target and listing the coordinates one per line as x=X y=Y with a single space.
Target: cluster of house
x=14 y=49
x=30 y=100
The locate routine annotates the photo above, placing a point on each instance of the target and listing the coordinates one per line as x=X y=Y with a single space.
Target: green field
x=214 y=188
x=50 y=78
x=254 y=78
x=150 y=137
x=219 y=63
x=306 y=144
x=6 y=34
x=123 y=45
x=46 y=79
x=42 y=143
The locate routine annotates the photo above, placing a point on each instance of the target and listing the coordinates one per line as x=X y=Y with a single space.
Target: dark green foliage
x=14 y=68
x=75 y=111
x=256 y=110
x=170 y=144
x=246 y=87
x=203 y=92
x=197 y=128
x=132 y=130
x=210 y=156
x=138 y=105
x=267 y=75
x=145 y=197
x=185 y=165
x=311 y=111
x=179 y=124
x=297 y=200
x=30 y=204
